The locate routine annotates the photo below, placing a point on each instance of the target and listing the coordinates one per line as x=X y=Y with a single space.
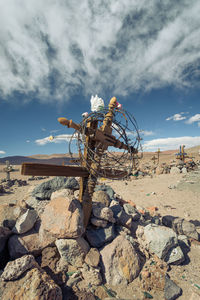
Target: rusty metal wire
x=112 y=163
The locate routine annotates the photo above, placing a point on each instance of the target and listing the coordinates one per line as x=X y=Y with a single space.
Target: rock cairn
x=47 y=254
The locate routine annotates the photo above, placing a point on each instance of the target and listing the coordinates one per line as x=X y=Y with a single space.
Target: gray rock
x=160 y=239
x=181 y=226
x=16 y=247
x=45 y=189
x=72 y=251
x=171 y=290
x=103 y=212
x=14 y=269
x=107 y=189
x=101 y=196
x=98 y=237
x=4 y=235
x=25 y=222
x=98 y=222
x=175 y=256
x=130 y=210
x=121 y=217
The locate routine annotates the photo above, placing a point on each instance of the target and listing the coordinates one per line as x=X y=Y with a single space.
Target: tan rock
x=62 y=193
x=62 y=218
x=153 y=274
x=101 y=196
x=14 y=269
x=98 y=222
x=159 y=170
x=34 y=285
x=91 y=275
x=120 y=261
x=92 y=258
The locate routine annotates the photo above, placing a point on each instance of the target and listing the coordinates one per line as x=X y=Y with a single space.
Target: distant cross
x=182 y=155
x=158 y=154
x=154 y=158
x=8 y=169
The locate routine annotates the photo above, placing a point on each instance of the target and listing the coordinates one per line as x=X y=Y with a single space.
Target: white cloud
x=54 y=49
x=2 y=152
x=28 y=141
x=177 y=117
x=146 y=132
x=57 y=139
x=193 y=119
x=171 y=143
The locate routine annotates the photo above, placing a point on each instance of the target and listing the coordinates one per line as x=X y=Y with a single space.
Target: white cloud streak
x=177 y=117
x=193 y=119
x=57 y=139
x=146 y=132
x=54 y=49
x=2 y=152
x=171 y=143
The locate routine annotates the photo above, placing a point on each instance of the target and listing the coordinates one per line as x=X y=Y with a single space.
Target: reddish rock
x=62 y=218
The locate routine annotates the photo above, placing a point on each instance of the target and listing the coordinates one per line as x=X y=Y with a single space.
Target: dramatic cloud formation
x=54 y=49
x=2 y=152
x=57 y=139
x=171 y=143
x=176 y=117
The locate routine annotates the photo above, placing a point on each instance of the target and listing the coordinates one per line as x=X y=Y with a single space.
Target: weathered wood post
x=96 y=142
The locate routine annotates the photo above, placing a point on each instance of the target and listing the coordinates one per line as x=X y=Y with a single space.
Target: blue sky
x=55 y=54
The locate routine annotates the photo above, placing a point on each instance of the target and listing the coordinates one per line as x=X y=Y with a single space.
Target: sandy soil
x=148 y=192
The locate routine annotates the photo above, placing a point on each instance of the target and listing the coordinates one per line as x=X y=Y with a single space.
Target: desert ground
x=147 y=192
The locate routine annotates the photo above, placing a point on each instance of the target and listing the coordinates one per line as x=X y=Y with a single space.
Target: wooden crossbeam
x=52 y=170
x=36 y=169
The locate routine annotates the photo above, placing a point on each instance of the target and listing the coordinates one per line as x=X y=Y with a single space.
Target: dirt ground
x=148 y=192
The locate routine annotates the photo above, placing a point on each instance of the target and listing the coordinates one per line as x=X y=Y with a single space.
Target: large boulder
x=62 y=218
x=161 y=241
x=45 y=189
x=72 y=251
x=120 y=261
x=33 y=284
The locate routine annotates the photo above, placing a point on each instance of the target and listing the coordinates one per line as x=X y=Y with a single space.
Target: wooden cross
x=97 y=140
x=182 y=155
x=8 y=169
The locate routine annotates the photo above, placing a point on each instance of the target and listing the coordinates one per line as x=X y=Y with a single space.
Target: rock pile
x=45 y=252
x=172 y=168
x=6 y=185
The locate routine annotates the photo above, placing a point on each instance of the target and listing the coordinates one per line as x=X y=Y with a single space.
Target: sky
x=55 y=54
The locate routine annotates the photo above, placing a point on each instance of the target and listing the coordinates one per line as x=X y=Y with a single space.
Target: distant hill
x=45 y=159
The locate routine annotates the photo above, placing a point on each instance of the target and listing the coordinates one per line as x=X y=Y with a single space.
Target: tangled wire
x=111 y=162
